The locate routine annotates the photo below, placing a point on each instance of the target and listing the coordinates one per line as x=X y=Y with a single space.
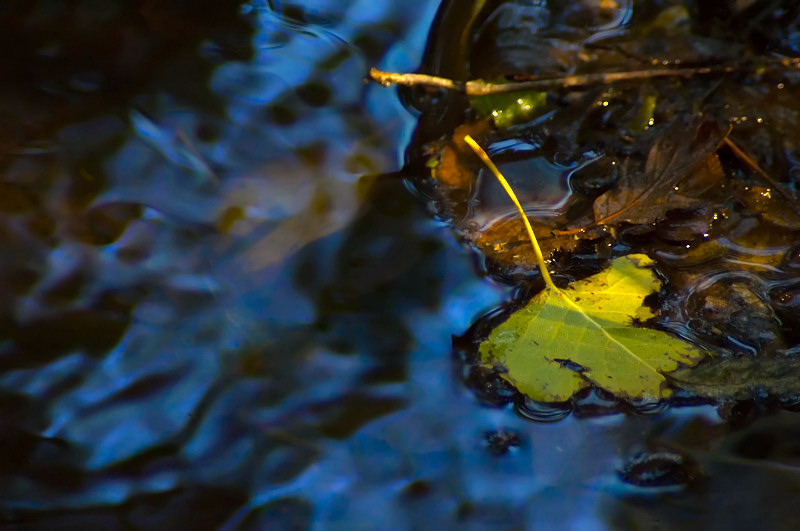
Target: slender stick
x=392 y=78
x=756 y=168
x=479 y=87
x=507 y=187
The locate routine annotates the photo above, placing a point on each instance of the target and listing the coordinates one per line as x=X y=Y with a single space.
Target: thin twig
x=757 y=169
x=479 y=87
x=392 y=78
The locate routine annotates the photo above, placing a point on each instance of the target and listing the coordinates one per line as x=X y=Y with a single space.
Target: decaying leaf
x=451 y=170
x=767 y=202
x=565 y=340
x=510 y=109
x=740 y=378
x=642 y=199
x=506 y=242
x=733 y=308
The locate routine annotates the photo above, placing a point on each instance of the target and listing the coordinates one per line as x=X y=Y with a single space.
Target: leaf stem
x=507 y=187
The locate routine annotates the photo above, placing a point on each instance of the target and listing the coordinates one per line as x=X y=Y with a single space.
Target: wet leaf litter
x=679 y=166
x=667 y=176
x=565 y=340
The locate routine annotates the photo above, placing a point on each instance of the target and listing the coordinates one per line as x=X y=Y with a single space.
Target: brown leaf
x=772 y=207
x=456 y=167
x=506 y=241
x=646 y=198
x=740 y=378
x=705 y=176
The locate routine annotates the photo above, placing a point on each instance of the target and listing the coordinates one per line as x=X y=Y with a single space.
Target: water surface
x=222 y=309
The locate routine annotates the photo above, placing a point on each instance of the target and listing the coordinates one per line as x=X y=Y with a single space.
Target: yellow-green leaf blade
x=564 y=340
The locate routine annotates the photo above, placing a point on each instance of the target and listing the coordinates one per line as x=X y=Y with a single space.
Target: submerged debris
x=654 y=128
x=659 y=470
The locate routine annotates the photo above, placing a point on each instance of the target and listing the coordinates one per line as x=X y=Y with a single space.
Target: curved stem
x=507 y=187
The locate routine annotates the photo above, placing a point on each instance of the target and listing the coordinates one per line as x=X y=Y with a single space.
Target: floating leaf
x=769 y=204
x=510 y=109
x=506 y=242
x=647 y=198
x=450 y=169
x=565 y=340
x=740 y=378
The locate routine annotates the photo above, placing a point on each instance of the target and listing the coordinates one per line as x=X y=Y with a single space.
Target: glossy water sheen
x=212 y=319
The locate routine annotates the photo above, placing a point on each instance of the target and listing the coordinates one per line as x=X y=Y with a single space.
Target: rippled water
x=218 y=313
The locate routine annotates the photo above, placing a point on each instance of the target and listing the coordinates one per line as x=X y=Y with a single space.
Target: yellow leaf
x=565 y=340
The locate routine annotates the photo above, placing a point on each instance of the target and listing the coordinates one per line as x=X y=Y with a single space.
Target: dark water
x=220 y=310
